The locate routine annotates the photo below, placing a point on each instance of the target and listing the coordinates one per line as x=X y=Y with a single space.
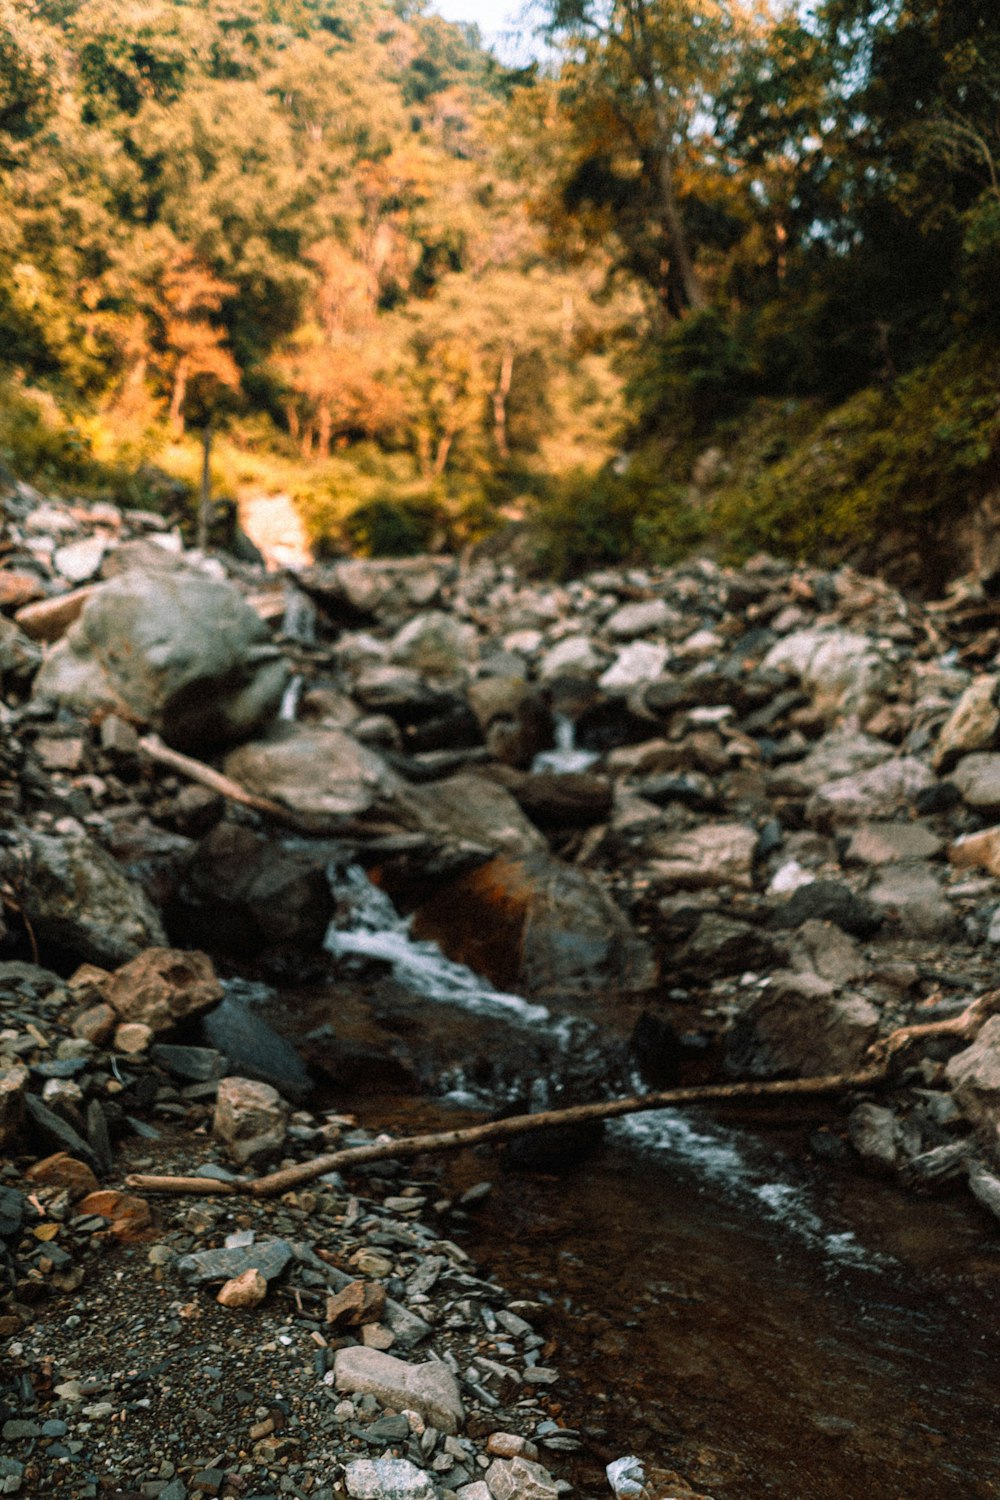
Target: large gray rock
x=914 y=901
x=430 y=1389
x=475 y=810
x=179 y=651
x=800 y=1025
x=974 y=1077
x=714 y=854
x=436 y=645
x=978 y=779
x=877 y=793
x=312 y=770
x=844 y=672
x=388 y=1479
x=77 y=899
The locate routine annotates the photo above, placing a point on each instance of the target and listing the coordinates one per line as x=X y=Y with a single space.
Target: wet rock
x=799 y=1024
x=978 y=779
x=720 y=946
x=712 y=855
x=246 y=894
x=974 y=1078
x=873 y=1131
x=889 y=843
x=539 y=927
x=161 y=986
x=78 y=900
x=877 y=793
x=181 y=652
x=429 y=1389
x=388 y=1479
x=829 y=901
x=250 y=1118
x=972 y=724
x=312 y=770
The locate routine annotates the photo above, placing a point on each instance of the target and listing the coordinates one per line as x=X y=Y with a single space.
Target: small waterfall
x=299 y=621
x=289 y=709
x=565 y=758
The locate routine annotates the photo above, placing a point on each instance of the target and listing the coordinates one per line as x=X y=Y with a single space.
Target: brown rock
x=60 y=754
x=49 y=619
x=161 y=986
x=64 y=1171
x=249 y=1118
x=127 y=1215
x=510 y=1445
x=977 y=851
x=360 y=1302
x=96 y=1023
x=18 y=589
x=133 y=1037
x=86 y=984
x=246 y=1290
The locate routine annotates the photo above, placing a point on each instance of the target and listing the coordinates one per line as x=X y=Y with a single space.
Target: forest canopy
x=717 y=272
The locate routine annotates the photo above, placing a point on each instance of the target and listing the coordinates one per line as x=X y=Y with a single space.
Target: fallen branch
x=501 y=1130
x=966 y=1026
x=196 y=770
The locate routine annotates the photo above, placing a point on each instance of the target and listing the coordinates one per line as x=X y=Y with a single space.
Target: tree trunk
x=205 y=503
x=500 y=396
x=178 y=394
x=443 y=451
x=324 y=425
x=684 y=285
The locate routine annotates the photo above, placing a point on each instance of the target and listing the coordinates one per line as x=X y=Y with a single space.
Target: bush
x=589 y=520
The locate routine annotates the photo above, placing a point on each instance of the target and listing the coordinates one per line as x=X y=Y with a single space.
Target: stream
x=720 y=1304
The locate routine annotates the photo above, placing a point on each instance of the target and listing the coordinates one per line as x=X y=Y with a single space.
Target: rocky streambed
x=506 y=844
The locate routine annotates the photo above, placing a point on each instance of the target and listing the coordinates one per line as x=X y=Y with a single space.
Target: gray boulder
x=78 y=899
x=974 y=1076
x=978 y=779
x=312 y=770
x=800 y=1025
x=179 y=651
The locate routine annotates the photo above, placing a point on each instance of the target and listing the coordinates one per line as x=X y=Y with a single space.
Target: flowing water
x=720 y=1306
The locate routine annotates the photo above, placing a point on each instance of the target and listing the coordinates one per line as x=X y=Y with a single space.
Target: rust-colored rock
x=127 y=1215
x=133 y=1037
x=246 y=1290
x=161 y=986
x=64 y=1171
x=49 y=619
x=358 y=1303
x=18 y=589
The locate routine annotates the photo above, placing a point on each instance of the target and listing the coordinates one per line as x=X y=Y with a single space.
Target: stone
x=312 y=770
x=828 y=901
x=475 y=809
x=179 y=651
x=720 y=946
x=641 y=618
x=799 y=1024
x=514 y=718
x=430 y=1389
x=642 y=661
x=510 y=1445
x=974 y=1078
x=358 y=1303
x=79 y=561
x=985 y=1187
x=387 y=1479
x=49 y=619
x=268 y=1257
x=567 y=799
x=889 y=843
x=20 y=657
x=78 y=900
x=843 y=752
x=823 y=948
x=978 y=779
x=390 y=589
x=872 y=1131
x=977 y=851
x=256 y=1049
x=133 y=1038
x=250 y=1118
x=161 y=986
x=876 y=793
x=520 y=1479
x=972 y=724
x=127 y=1215
x=17 y=589
x=574 y=656
x=246 y=1290
x=57 y=1133
x=64 y=1171
x=843 y=671
x=913 y=900
x=95 y=1024
x=712 y=855
x=436 y=645
x=13 y=1086
x=63 y=754
x=539 y=927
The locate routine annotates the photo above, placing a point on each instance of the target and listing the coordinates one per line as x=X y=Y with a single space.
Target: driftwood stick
x=966 y=1025
x=201 y=1187
x=196 y=770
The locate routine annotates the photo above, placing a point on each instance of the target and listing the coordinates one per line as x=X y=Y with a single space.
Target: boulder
x=829 y=901
x=520 y=1479
x=914 y=901
x=891 y=843
x=312 y=770
x=974 y=1077
x=978 y=779
x=799 y=1024
x=720 y=946
x=430 y=1389
x=823 y=948
x=161 y=986
x=179 y=651
x=842 y=753
x=712 y=855
x=253 y=1048
x=250 y=1118
x=436 y=645
x=538 y=927
x=514 y=719
x=843 y=671
x=389 y=589
x=972 y=724
x=388 y=1479
x=475 y=809
x=78 y=900
x=574 y=656
x=876 y=793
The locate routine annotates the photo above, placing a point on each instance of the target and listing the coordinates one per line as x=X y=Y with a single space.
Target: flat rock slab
x=388 y=1479
x=431 y=1389
x=270 y=1258
x=889 y=843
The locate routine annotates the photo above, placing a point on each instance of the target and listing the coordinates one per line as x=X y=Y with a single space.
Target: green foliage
x=588 y=520
x=696 y=375
x=36 y=440
x=388 y=526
